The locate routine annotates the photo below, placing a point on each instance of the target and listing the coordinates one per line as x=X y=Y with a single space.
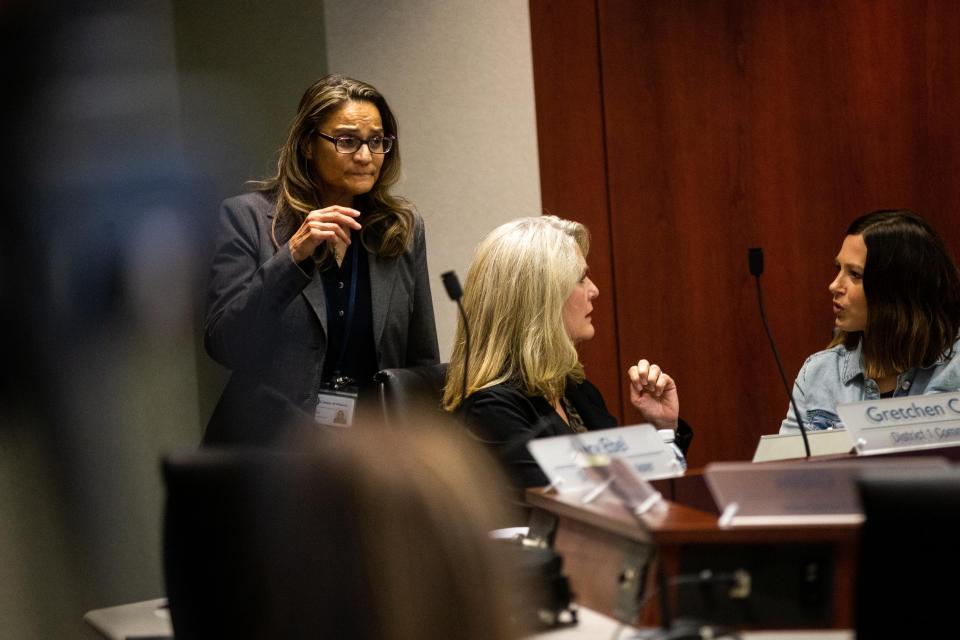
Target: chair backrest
x=908 y=554
x=364 y=533
x=245 y=553
x=208 y=537
x=406 y=394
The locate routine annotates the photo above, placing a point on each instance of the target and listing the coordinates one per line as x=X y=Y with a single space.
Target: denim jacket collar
x=852 y=365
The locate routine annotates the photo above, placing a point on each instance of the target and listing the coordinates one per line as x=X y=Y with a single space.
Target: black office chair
x=412 y=393
x=257 y=545
x=908 y=554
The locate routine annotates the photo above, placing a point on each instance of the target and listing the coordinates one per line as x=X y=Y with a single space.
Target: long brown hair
x=388 y=220
x=912 y=288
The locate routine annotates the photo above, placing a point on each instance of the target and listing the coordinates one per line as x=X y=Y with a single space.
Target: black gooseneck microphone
x=755 y=258
x=452 y=284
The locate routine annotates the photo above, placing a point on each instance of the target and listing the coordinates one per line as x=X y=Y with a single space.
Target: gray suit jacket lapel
x=313 y=292
x=383 y=277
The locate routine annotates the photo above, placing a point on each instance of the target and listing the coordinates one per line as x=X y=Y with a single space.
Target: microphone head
x=452 y=285
x=755 y=257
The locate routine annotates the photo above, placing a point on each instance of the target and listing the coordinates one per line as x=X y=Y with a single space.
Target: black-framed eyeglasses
x=352 y=144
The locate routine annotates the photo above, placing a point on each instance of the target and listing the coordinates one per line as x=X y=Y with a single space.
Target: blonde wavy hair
x=388 y=220
x=521 y=276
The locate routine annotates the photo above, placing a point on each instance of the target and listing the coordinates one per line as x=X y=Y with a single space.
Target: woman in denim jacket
x=894 y=265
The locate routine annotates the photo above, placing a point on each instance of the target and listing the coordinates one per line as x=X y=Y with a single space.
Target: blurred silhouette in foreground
x=364 y=533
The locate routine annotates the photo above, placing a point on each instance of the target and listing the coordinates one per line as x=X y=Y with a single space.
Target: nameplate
x=788 y=446
x=565 y=460
x=903 y=424
x=796 y=493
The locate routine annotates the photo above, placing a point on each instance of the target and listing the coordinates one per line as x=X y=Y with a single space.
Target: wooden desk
x=802 y=577
x=596 y=626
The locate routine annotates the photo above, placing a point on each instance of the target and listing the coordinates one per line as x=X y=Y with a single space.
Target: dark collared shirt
x=360 y=356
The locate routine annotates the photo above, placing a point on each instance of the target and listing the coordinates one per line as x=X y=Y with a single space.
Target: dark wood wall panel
x=731 y=124
x=572 y=160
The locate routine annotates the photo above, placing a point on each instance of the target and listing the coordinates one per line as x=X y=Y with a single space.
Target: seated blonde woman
x=528 y=300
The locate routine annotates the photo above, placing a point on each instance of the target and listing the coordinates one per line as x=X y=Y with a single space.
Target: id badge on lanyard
x=336 y=403
x=337 y=399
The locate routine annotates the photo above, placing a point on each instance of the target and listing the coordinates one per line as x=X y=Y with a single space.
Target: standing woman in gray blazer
x=320 y=274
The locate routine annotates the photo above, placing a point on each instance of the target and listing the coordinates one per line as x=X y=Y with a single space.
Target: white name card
x=788 y=446
x=895 y=424
x=565 y=459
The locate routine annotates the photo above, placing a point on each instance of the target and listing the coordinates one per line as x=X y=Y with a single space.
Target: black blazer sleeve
x=250 y=285
x=505 y=420
x=589 y=403
x=422 y=347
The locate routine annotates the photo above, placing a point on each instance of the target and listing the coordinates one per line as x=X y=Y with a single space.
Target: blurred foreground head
x=372 y=533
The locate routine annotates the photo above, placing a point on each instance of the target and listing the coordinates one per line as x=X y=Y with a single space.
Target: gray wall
x=184 y=102
x=242 y=67
x=150 y=115
x=105 y=207
x=459 y=76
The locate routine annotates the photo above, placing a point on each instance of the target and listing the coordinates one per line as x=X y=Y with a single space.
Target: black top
x=360 y=356
x=505 y=419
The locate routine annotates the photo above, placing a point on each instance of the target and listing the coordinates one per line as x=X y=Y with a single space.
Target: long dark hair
x=912 y=289
x=388 y=220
